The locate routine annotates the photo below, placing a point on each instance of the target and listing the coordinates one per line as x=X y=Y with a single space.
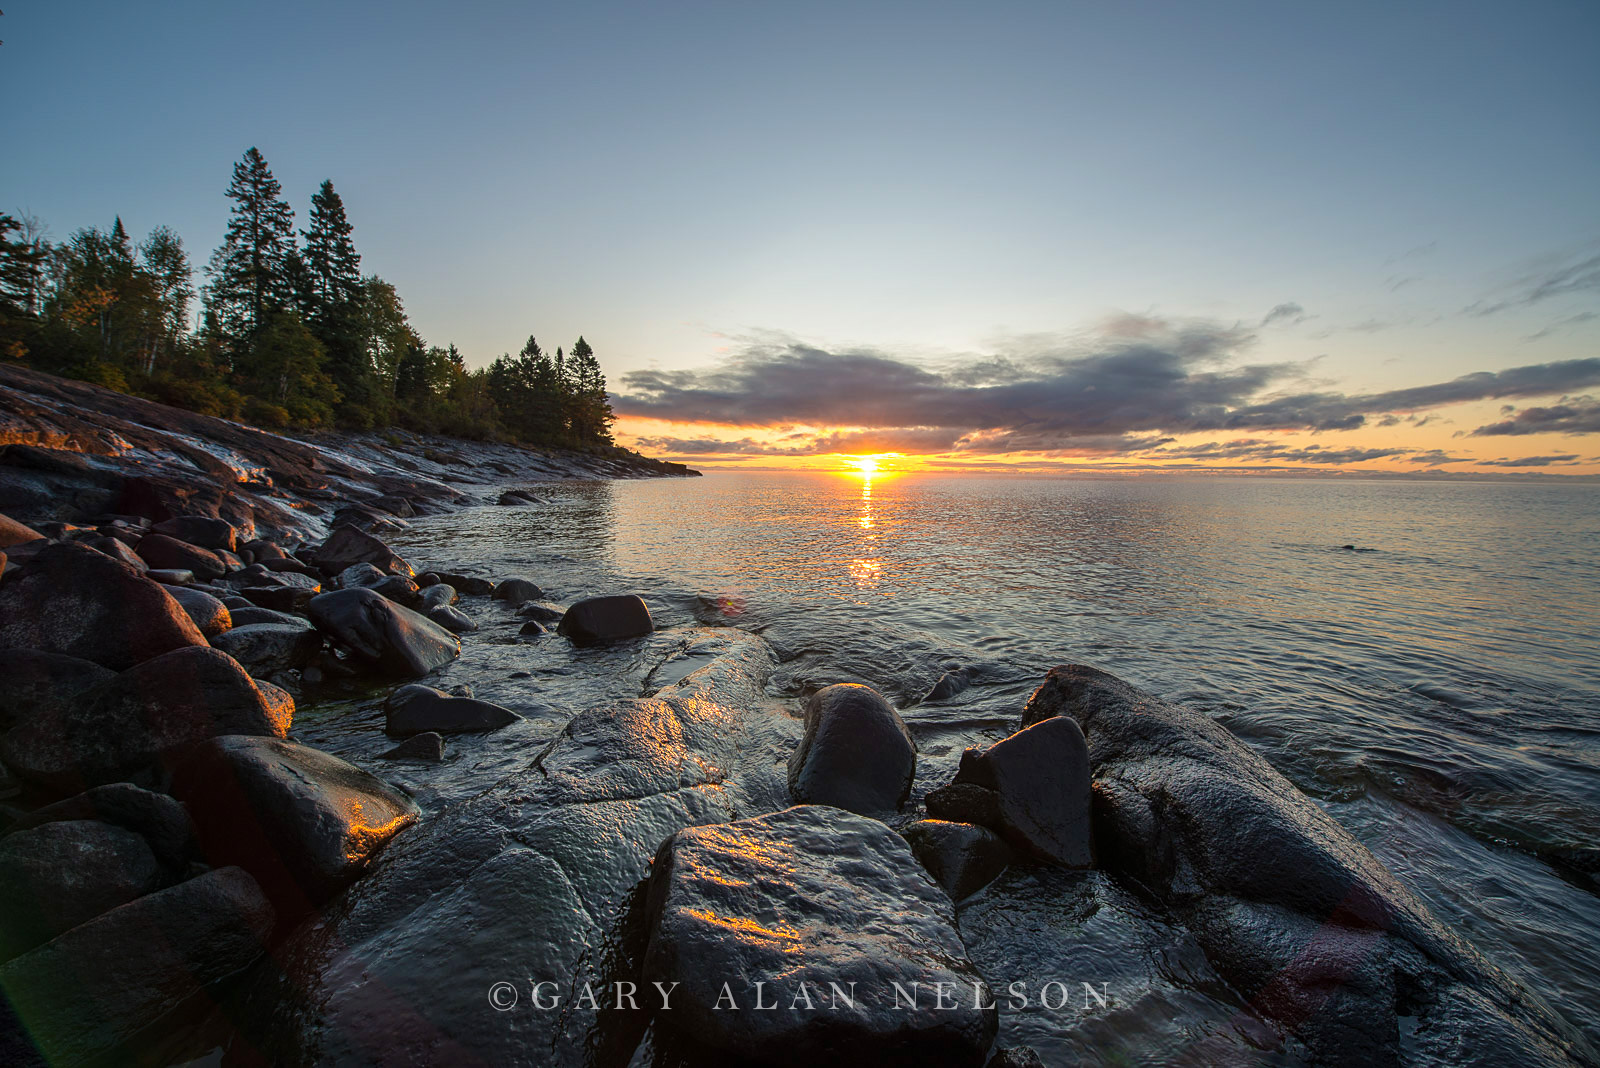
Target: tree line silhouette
x=290 y=333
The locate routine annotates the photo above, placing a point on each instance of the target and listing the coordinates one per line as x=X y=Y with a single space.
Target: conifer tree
x=331 y=258
x=249 y=272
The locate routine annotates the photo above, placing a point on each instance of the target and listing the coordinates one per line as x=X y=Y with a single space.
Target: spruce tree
x=331 y=257
x=249 y=272
x=592 y=415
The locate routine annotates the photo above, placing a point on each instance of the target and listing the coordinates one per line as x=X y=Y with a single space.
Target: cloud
x=1135 y=382
x=1578 y=276
x=1561 y=324
x=1575 y=415
x=1529 y=461
x=1256 y=449
x=1290 y=313
x=1435 y=457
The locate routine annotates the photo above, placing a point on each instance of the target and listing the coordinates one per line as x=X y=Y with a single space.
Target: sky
x=1050 y=237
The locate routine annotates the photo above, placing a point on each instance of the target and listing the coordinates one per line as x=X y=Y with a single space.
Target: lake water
x=1437 y=688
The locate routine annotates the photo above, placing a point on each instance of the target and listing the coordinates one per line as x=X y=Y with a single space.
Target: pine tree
x=331 y=257
x=592 y=414
x=249 y=272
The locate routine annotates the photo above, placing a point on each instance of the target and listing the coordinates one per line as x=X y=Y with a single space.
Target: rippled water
x=1437 y=687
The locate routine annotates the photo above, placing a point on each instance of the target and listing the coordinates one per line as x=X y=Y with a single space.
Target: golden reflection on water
x=867 y=570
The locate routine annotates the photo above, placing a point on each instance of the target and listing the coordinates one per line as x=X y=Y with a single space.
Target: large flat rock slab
x=765 y=924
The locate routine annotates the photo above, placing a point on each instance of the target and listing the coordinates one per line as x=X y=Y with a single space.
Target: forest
x=284 y=331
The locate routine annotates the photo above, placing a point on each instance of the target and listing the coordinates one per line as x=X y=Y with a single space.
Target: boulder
x=359 y=576
x=208 y=613
x=34 y=683
x=118 y=551
x=125 y=724
x=162 y=822
x=399 y=589
x=1015 y=1057
x=438 y=595
x=596 y=620
x=348 y=545
x=541 y=611
x=208 y=532
x=416 y=708
x=1292 y=911
x=84 y=997
x=15 y=533
x=263 y=551
x=167 y=553
x=428 y=746
x=533 y=629
x=171 y=576
x=856 y=753
x=388 y=638
x=58 y=875
x=3 y=561
x=809 y=901
x=289 y=599
x=250 y=615
x=949 y=684
x=265 y=648
x=452 y=619
x=76 y=601
x=517 y=590
x=470 y=585
x=962 y=858
x=1040 y=776
x=304 y=823
x=964 y=802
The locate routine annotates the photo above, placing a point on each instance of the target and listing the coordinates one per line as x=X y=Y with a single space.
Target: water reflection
x=868 y=569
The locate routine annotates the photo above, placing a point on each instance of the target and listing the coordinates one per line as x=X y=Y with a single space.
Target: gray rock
x=950 y=684
x=965 y=802
x=416 y=708
x=1293 y=912
x=58 y=875
x=304 y=823
x=86 y=995
x=533 y=629
x=1041 y=777
x=811 y=896
x=76 y=601
x=438 y=595
x=161 y=821
x=249 y=615
x=541 y=611
x=347 y=546
x=171 y=577
x=208 y=532
x=127 y=723
x=452 y=619
x=427 y=746
x=961 y=857
x=399 y=589
x=265 y=648
x=470 y=585
x=517 y=590
x=281 y=598
x=166 y=553
x=359 y=577
x=390 y=639
x=597 y=620
x=856 y=753
x=208 y=613
x=263 y=550
x=33 y=683
x=1015 y=1057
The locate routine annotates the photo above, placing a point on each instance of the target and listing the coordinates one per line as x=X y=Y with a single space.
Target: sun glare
x=866 y=466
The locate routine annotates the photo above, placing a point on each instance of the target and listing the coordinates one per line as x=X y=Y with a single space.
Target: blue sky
x=935 y=182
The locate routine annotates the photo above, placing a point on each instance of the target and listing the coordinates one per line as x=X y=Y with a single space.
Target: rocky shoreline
x=670 y=867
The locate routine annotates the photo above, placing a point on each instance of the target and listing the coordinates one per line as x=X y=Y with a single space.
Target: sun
x=866 y=466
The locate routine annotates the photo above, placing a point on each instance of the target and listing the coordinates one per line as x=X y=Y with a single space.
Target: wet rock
x=162 y=822
x=3 y=562
x=34 y=683
x=15 y=533
x=811 y=896
x=263 y=550
x=452 y=619
x=395 y=505
x=856 y=753
x=950 y=684
x=208 y=532
x=388 y=638
x=347 y=546
x=399 y=589
x=416 y=708
x=428 y=746
x=166 y=553
x=56 y=876
x=965 y=802
x=533 y=629
x=961 y=857
x=76 y=601
x=304 y=823
x=1015 y=1057
x=123 y=725
x=514 y=498
x=118 y=551
x=85 y=996
x=541 y=611
x=597 y=620
x=1293 y=912
x=1041 y=778
x=426 y=579
x=171 y=576
x=359 y=576
x=517 y=590
x=289 y=599
x=250 y=615
x=528 y=878
x=439 y=595
x=208 y=613
x=265 y=648
x=470 y=585
x=295 y=579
